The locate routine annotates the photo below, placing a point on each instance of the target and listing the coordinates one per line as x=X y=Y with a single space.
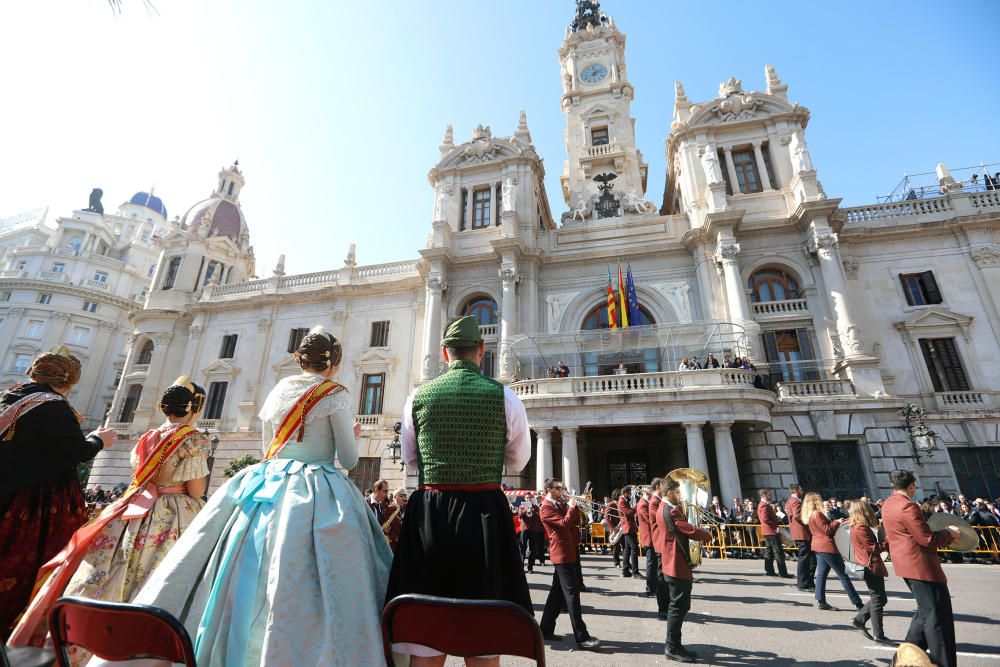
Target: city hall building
x=846 y=315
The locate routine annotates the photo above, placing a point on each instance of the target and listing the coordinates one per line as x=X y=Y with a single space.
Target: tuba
x=695 y=490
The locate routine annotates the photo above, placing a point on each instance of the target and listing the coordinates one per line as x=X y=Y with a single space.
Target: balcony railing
x=964 y=400
x=52 y=276
x=638 y=383
x=13 y=273
x=603 y=149
x=779 y=309
x=486 y=330
x=208 y=424
x=96 y=284
x=814 y=389
x=140 y=368
x=123 y=428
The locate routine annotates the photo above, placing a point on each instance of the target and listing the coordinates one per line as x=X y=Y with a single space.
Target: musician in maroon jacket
x=827 y=556
x=673 y=535
x=630 y=548
x=805 y=567
x=655 y=503
x=561 y=523
x=914 y=558
x=772 y=542
x=646 y=542
x=532 y=537
x=868 y=552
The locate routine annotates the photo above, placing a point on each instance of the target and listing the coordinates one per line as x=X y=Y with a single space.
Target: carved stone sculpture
x=582 y=210
x=482 y=147
x=800 y=154
x=632 y=203
x=441 y=202
x=710 y=164
x=508 y=193
x=557 y=306
x=726 y=252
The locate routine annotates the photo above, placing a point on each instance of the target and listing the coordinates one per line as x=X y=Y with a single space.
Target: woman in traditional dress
x=285 y=565
x=41 y=503
x=827 y=556
x=112 y=556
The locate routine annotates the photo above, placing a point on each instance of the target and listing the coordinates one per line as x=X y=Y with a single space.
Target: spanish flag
x=622 y=297
x=612 y=317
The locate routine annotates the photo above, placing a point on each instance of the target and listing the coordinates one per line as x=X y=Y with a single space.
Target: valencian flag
x=633 y=299
x=612 y=316
x=621 y=297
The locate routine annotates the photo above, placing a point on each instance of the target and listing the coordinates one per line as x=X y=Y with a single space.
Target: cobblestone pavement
x=740 y=617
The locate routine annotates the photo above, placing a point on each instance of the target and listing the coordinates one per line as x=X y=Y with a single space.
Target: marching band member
x=611 y=520
x=561 y=521
x=630 y=548
x=805 y=566
x=772 y=542
x=827 y=556
x=655 y=521
x=868 y=552
x=673 y=534
x=459 y=432
x=395 y=518
x=378 y=501
x=532 y=535
x=914 y=558
x=646 y=542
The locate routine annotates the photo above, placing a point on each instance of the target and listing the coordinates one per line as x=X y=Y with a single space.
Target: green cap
x=463 y=332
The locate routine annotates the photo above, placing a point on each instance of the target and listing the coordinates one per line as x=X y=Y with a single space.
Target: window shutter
x=936 y=380
x=954 y=374
x=931 y=287
x=906 y=290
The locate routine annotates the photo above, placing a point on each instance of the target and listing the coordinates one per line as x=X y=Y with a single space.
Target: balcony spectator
x=684 y=365
x=550 y=372
x=563 y=370
x=711 y=361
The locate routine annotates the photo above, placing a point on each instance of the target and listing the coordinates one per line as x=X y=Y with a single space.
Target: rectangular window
x=944 y=364
x=34 y=329
x=171 y=274
x=132 y=396
x=21 y=363
x=58 y=267
x=101 y=277
x=295 y=339
x=372 y=389
x=366 y=472
x=380 y=334
x=765 y=150
x=152 y=270
x=44 y=298
x=216 y=399
x=89 y=307
x=920 y=288
x=209 y=272
x=228 y=350
x=481 y=209
x=721 y=154
x=789 y=356
x=488 y=366
x=80 y=336
x=465 y=209
x=746 y=171
x=5 y=295
x=21 y=264
x=599 y=136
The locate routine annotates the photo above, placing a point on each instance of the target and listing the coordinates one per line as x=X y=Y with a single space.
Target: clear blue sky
x=336 y=109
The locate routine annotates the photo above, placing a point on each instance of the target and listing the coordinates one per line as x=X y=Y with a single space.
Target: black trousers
x=616 y=553
x=933 y=626
x=773 y=552
x=564 y=592
x=876 y=603
x=805 y=566
x=532 y=546
x=630 y=554
x=662 y=591
x=679 y=593
x=652 y=567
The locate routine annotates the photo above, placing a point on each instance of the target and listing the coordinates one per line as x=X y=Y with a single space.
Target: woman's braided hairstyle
x=182 y=398
x=318 y=351
x=55 y=369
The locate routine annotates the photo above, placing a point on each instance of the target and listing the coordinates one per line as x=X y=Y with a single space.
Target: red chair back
x=462 y=627
x=116 y=631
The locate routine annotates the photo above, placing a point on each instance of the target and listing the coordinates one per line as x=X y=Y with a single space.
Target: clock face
x=593 y=73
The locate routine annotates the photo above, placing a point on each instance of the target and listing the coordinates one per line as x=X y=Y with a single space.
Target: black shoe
x=771 y=574
x=676 y=656
x=786 y=576
x=806 y=588
x=592 y=644
x=662 y=615
x=858 y=606
x=684 y=650
x=627 y=575
x=825 y=607
x=649 y=594
x=884 y=641
x=552 y=637
x=859 y=625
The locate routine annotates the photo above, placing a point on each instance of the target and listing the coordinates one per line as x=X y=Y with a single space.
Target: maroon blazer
x=768 y=519
x=674 y=563
x=627 y=515
x=531 y=523
x=561 y=523
x=610 y=514
x=911 y=542
x=800 y=531
x=654 y=527
x=868 y=550
x=395 y=526
x=823 y=530
x=645 y=531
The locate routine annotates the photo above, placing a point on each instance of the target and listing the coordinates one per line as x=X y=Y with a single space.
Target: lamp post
x=395 y=447
x=923 y=441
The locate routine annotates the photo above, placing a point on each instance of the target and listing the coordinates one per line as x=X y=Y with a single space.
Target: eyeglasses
x=557 y=488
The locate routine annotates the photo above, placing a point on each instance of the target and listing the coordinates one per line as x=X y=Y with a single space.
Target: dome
x=150 y=201
x=225 y=218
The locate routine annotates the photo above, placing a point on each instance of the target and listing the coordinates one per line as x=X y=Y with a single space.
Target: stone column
x=823 y=242
x=467 y=221
x=734 y=183
x=145 y=412
x=497 y=202
x=725 y=254
x=697 y=458
x=706 y=288
x=508 y=318
x=725 y=460
x=543 y=456
x=765 y=179
x=431 y=365
x=120 y=391
x=570 y=458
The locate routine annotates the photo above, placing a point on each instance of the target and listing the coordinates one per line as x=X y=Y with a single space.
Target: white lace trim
x=290 y=389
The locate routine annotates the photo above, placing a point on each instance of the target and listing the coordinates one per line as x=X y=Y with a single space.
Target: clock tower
x=604 y=175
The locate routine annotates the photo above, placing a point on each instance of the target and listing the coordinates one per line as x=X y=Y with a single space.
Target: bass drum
x=842 y=540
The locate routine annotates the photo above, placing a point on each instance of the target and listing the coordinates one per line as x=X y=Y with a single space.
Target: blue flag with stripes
x=633 y=300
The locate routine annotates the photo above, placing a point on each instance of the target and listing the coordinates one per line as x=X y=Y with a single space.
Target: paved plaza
x=740 y=617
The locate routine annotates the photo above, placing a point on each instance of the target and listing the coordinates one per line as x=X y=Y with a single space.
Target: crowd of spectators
x=98 y=498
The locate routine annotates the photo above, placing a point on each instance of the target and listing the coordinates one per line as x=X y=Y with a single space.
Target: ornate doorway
x=832 y=469
x=627 y=467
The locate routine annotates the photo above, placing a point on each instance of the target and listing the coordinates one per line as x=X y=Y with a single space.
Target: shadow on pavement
x=734 y=657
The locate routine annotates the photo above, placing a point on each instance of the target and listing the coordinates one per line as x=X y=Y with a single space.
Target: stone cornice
x=72 y=290
x=409 y=284
x=681 y=131
x=718 y=220
x=808 y=211
x=864 y=235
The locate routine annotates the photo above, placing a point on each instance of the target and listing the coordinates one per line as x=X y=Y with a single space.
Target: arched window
x=772 y=285
x=598 y=318
x=146 y=353
x=75 y=243
x=483 y=308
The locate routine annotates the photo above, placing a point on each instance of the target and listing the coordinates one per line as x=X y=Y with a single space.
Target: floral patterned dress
x=127 y=551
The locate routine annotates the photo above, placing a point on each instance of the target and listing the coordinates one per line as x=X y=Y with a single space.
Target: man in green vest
x=460 y=430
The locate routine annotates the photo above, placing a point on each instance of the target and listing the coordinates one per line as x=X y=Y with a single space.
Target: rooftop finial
x=588 y=14
x=351 y=259
x=449 y=141
x=522 y=132
x=279 y=268
x=679 y=95
x=774 y=84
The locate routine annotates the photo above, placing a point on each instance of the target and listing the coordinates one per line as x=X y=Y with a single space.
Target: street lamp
x=395 y=447
x=923 y=441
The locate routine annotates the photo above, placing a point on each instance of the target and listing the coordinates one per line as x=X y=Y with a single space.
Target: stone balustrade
x=603 y=149
x=933 y=205
x=369 y=422
x=964 y=400
x=124 y=428
x=96 y=284
x=13 y=273
x=384 y=270
x=486 y=330
x=813 y=389
x=330 y=278
x=52 y=276
x=104 y=260
x=778 y=309
x=637 y=383
x=988 y=199
x=309 y=279
x=140 y=368
x=208 y=424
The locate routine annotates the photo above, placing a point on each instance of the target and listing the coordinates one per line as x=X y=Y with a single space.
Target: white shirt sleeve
x=408 y=436
x=266 y=435
x=518 y=449
x=342 y=423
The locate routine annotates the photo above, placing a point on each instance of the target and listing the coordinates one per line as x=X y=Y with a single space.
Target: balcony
x=488 y=330
x=638 y=383
x=814 y=389
x=140 y=368
x=208 y=424
x=13 y=273
x=778 y=310
x=124 y=428
x=96 y=284
x=52 y=276
x=964 y=400
x=603 y=150
x=372 y=423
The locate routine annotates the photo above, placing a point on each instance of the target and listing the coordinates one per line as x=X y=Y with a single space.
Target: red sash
x=296 y=418
x=54 y=576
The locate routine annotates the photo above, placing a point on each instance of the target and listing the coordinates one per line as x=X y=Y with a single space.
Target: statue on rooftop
x=95 y=201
